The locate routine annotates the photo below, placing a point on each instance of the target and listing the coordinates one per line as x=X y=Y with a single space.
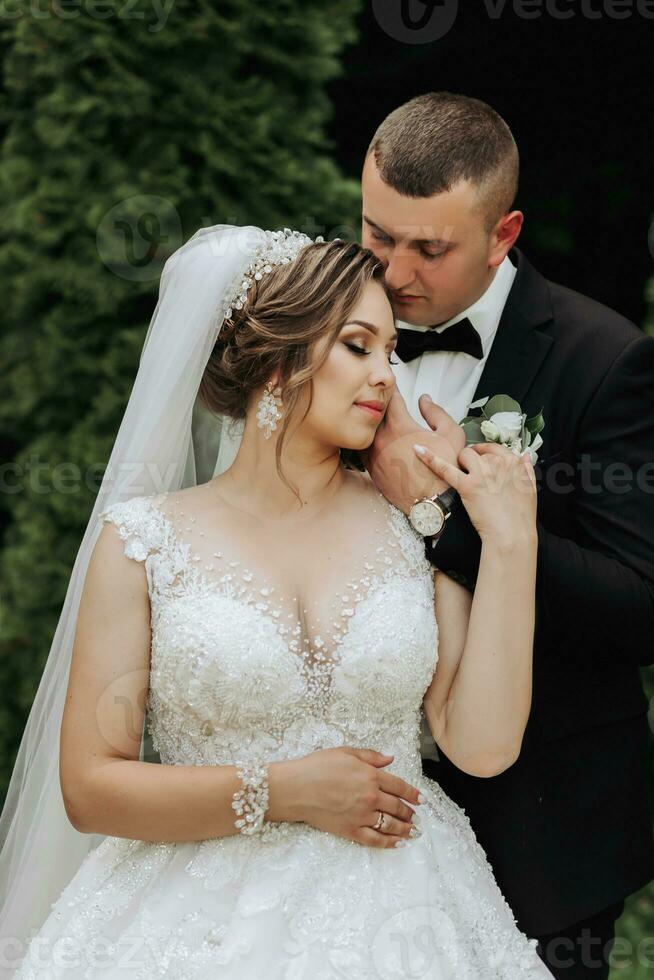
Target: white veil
x=166 y=441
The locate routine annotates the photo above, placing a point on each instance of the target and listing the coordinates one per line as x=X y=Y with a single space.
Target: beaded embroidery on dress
x=242 y=673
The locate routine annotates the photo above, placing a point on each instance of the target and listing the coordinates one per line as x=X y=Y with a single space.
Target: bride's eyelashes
x=361 y=350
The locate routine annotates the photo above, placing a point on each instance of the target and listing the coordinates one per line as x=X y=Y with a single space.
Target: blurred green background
x=125 y=128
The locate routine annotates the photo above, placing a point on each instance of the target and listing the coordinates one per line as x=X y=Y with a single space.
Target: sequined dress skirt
x=294 y=904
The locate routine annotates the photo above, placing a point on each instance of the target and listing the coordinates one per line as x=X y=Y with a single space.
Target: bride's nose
x=381 y=374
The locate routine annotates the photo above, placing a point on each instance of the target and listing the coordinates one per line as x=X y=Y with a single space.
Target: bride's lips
x=376 y=409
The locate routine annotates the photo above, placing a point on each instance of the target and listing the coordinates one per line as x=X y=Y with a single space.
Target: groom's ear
x=505 y=235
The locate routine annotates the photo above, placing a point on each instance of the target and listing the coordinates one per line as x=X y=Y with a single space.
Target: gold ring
x=380 y=821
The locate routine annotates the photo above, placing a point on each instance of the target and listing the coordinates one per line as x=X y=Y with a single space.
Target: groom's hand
x=391 y=460
x=442 y=423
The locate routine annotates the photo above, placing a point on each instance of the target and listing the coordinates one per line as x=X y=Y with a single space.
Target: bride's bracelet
x=251 y=801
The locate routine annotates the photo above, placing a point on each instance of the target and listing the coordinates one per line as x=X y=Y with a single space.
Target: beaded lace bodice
x=242 y=670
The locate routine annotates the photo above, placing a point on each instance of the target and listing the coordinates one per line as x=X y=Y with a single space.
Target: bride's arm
x=106 y=789
x=479 y=701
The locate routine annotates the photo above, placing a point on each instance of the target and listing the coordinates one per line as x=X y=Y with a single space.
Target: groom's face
x=439 y=256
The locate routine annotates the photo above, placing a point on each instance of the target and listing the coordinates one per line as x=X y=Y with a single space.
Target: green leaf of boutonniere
x=500 y=403
x=479 y=403
x=472 y=429
x=503 y=421
x=536 y=423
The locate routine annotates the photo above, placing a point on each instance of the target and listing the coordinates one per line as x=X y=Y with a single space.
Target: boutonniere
x=503 y=421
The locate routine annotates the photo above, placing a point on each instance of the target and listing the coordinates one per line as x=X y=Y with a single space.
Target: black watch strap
x=446 y=498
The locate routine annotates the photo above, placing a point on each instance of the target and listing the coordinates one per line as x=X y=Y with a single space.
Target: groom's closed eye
x=427 y=251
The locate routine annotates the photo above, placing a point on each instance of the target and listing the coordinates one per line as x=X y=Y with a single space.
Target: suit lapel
x=519 y=348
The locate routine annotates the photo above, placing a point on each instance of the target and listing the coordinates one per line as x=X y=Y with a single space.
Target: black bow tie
x=461 y=336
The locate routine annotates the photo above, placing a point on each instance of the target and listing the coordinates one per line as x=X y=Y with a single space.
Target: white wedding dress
x=241 y=672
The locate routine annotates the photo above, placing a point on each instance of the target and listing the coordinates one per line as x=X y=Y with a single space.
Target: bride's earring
x=269 y=413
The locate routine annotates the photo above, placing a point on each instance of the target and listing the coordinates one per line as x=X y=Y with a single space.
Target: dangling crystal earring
x=269 y=414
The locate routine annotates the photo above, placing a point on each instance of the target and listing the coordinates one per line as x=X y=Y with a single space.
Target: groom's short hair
x=430 y=143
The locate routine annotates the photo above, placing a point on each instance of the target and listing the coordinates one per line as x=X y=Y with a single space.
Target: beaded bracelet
x=252 y=799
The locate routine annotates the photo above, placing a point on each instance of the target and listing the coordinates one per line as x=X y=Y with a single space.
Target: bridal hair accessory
x=269 y=413
x=251 y=801
x=277 y=248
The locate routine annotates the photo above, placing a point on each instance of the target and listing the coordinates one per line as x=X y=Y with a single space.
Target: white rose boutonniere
x=503 y=421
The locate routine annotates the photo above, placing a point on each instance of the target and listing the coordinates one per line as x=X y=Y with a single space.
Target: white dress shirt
x=451 y=377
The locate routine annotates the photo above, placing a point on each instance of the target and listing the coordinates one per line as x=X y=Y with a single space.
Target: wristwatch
x=429 y=514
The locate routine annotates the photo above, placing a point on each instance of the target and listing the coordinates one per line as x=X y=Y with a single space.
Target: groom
x=567 y=829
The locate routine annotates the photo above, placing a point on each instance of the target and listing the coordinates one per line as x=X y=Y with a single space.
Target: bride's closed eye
x=361 y=350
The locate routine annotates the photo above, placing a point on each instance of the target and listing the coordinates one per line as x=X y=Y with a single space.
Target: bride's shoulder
x=401 y=531
x=132 y=508
x=201 y=496
x=140 y=521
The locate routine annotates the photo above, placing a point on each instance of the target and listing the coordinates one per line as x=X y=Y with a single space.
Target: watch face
x=426 y=517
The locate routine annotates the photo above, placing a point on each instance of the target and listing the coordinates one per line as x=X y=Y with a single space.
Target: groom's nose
x=401 y=270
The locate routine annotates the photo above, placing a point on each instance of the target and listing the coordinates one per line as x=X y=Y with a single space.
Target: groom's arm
x=603 y=580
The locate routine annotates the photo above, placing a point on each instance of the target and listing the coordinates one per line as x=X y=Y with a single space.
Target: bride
x=276 y=621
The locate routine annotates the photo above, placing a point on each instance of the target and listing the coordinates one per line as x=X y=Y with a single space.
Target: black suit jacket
x=567 y=829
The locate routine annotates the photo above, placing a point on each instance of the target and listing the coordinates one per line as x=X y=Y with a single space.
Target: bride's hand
x=342 y=791
x=498 y=490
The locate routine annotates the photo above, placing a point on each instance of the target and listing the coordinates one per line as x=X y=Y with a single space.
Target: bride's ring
x=380 y=822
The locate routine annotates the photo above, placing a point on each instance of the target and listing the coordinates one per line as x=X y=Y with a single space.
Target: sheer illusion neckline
x=300 y=522
x=240 y=584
